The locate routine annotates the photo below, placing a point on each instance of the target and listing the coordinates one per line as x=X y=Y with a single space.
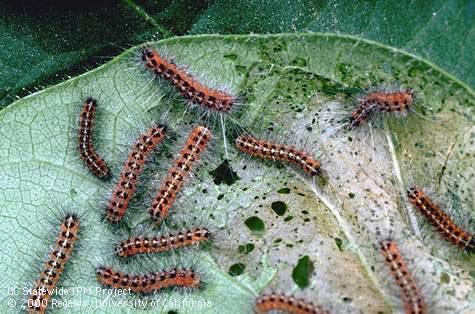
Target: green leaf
x=237 y=269
x=65 y=40
x=287 y=79
x=241 y=17
x=42 y=44
x=441 y=31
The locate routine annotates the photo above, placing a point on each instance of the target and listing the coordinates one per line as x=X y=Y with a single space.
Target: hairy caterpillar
x=127 y=184
x=195 y=145
x=188 y=86
x=85 y=145
x=279 y=302
x=54 y=266
x=440 y=220
x=286 y=153
x=377 y=101
x=413 y=300
x=157 y=244
x=147 y=283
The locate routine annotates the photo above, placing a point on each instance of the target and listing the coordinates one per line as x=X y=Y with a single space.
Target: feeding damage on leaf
x=278 y=227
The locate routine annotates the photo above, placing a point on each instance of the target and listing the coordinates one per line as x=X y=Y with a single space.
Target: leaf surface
x=296 y=83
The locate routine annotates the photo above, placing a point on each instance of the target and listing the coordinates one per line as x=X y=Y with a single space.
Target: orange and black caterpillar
x=287 y=153
x=189 y=87
x=127 y=184
x=279 y=302
x=54 y=266
x=397 y=101
x=85 y=144
x=148 y=283
x=145 y=245
x=190 y=154
x=440 y=220
x=412 y=298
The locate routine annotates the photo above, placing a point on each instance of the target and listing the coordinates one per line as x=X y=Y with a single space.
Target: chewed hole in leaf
x=224 y=174
x=246 y=249
x=255 y=224
x=279 y=207
x=283 y=191
x=237 y=269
